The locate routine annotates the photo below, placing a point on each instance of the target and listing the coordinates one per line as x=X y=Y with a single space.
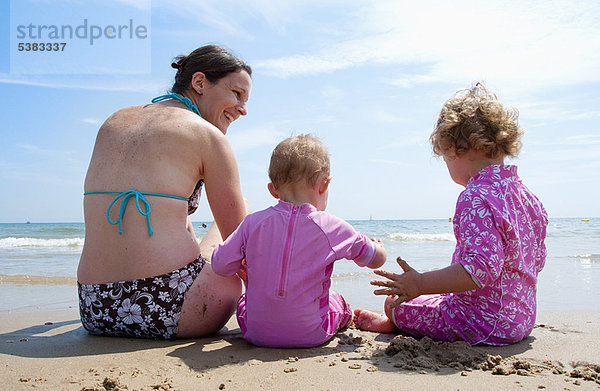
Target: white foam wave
x=410 y=237
x=12 y=242
x=352 y=275
x=589 y=257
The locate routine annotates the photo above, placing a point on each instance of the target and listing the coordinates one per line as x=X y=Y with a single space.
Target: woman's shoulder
x=123 y=117
x=172 y=120
x=176 y=119
x=126 y=112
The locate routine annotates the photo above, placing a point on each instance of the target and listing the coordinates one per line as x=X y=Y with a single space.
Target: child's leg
x=340 y=313
x=371 y=321
x=423 y=317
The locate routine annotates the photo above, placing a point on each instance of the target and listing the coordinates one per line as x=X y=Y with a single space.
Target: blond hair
x=474 y=119
x=298 y=158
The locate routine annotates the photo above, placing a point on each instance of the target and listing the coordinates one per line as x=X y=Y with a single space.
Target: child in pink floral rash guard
x=289 y=251
x=488 y=293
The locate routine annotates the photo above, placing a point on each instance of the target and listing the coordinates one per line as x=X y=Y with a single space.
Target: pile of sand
x=411 y=354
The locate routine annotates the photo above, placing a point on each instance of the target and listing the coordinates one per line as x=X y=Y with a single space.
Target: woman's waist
x=111 y=258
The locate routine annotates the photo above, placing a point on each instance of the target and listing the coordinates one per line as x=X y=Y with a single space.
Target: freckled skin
x=166 y=148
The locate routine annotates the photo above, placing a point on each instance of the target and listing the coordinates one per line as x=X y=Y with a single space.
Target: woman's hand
x=404 y=286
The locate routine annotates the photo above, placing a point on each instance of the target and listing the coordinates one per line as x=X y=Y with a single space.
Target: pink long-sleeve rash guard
x=290 y=251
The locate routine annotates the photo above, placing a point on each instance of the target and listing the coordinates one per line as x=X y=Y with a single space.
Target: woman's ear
x=198 y=81
x=324 y=184
x=273 y=190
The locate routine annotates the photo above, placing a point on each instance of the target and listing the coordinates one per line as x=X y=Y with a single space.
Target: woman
x=148 y=277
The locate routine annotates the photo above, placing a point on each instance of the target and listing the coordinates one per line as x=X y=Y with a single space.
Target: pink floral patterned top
x=500 y=227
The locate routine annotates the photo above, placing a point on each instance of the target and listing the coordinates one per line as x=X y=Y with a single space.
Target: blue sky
x=368 y=77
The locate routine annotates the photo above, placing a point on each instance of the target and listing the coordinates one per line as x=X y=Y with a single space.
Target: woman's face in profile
x=225 y=101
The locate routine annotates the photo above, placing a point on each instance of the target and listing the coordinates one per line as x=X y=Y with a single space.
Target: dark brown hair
x=212 y=60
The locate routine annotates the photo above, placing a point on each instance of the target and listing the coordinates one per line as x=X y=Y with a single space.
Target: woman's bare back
x=157 y=149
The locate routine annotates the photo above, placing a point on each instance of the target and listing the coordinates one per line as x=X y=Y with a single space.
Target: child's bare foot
x=370 y=321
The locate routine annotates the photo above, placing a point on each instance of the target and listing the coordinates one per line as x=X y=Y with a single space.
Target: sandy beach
x=49 y=350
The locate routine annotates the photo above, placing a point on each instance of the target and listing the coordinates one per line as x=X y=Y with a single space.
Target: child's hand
x=404 y=286
x=379 y=242
x=243 y=272
x=380 y=254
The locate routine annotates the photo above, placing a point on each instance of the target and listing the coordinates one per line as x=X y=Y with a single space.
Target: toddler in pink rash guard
x=289 y=251
x=488 y=293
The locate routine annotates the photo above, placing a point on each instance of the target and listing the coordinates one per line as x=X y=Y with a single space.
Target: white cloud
x=98 y=84
x=583 y=139
x=297 y=65
x=555 y=111
x=54 y=153
x=223 y=16
x=539 y=43
x=575 y=156
x=230 y=16
x=29 y=147
x=143 y=5
x=410 y=80
x=92 y=121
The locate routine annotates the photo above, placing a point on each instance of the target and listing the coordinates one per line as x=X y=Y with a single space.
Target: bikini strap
x=139 y=197
x=186 y=101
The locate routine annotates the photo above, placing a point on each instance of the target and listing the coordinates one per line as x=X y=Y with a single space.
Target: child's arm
x=411 y=283
x=347 y=243
x=227 y=257
x=380 y=255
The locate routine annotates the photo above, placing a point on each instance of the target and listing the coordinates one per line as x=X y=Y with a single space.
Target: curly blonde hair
x=474 y=119
x=298 y=158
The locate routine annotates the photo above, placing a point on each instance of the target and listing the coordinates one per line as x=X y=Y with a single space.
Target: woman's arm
x=190 y=227
x=222 y=183
x=411 y=283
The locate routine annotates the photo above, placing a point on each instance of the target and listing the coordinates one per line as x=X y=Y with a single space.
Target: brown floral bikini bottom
x=143 y=308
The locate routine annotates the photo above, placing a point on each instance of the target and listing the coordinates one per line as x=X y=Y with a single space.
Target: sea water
x=38 y=262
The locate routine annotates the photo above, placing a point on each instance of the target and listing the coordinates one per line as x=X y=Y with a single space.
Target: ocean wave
x=589 y=257
x=349 y=275
x=61 y=230
x=417 y=237
x=12 y=242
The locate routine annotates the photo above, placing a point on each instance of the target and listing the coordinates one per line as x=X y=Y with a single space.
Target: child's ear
x=324 y=184
x=273 y=190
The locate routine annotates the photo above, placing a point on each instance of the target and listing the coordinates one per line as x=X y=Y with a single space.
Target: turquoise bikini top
x=139 y=195
x=186 y=101
x=126 y=195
